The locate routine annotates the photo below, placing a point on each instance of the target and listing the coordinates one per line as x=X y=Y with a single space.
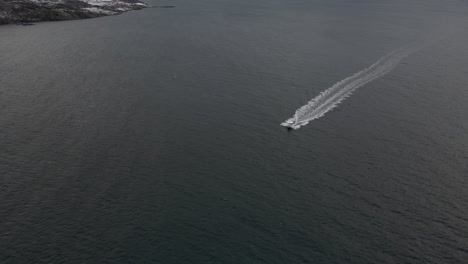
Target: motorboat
x=289 y=124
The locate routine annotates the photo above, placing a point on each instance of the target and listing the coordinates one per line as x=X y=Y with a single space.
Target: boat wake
x=333 y=96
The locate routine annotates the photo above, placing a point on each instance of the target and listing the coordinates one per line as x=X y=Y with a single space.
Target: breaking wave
x=333 y=96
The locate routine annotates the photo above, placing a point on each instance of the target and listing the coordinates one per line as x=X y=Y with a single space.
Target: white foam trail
x=333 y=96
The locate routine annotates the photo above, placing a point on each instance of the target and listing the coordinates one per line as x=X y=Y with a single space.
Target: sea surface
x=154 y=136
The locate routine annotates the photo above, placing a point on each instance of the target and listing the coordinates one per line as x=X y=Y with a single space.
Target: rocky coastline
x=26 y=12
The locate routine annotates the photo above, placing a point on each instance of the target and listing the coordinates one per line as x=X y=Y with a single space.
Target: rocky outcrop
x=30 y=11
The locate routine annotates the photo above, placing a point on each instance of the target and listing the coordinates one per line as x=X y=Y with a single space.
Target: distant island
x=29 y=11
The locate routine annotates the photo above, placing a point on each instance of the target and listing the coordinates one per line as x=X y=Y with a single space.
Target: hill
x=29 y=11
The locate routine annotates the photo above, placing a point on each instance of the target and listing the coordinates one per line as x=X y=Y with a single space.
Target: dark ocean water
x=154 y=136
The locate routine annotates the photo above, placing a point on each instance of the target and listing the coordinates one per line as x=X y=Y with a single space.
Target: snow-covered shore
x=27 y=11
